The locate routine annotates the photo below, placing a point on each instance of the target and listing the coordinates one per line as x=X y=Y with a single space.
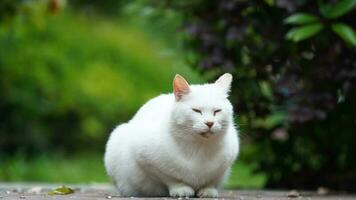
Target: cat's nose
x=209 y=124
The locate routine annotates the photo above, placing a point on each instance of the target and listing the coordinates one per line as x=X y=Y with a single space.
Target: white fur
x=161 y=151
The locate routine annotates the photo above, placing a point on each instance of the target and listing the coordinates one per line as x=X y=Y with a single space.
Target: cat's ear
x=180 y=87
x=224 y=82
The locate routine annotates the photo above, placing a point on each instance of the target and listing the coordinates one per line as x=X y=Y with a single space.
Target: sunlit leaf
x=300 y=18
x=63 y=190
x=336 y=10
x=304 y=32
x=345 y=32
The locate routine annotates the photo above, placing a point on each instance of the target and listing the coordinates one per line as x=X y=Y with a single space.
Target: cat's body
x=169 y=149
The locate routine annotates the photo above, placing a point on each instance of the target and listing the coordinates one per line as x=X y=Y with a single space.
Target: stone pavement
x=39 y=191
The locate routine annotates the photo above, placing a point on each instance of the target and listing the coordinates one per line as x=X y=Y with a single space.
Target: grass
x=90 y=169
x=242 y=176
x=56 y=168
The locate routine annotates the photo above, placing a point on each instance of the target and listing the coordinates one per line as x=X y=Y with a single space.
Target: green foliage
x=345 y=32
x=328 y=11
x=333 y=11
x=67 y=80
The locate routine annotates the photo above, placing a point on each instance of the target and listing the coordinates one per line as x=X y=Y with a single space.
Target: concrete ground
x=39 y=191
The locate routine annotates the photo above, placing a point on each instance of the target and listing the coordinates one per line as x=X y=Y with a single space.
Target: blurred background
x=70 y=71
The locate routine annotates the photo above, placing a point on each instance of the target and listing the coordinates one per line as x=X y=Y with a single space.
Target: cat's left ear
x=224 y=82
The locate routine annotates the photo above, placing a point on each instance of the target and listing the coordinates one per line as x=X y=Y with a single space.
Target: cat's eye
x=216 y=111
x=196 y=110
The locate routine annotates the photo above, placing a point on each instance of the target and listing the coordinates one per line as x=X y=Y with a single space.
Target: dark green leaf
x=300 y=18
x=332 y=11
x=61 y=191
x=345 y=32
x=304 y=32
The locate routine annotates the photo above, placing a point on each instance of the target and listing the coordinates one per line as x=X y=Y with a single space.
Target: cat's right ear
x=224 y=82
x=180 y=87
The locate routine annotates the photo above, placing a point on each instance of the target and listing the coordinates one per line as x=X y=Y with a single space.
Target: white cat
x=181 y=144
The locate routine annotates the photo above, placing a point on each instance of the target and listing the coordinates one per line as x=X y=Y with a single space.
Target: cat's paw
x=208 y=192
x=181 y=191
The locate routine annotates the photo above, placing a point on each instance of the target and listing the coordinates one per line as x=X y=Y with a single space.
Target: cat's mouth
x=206 y=134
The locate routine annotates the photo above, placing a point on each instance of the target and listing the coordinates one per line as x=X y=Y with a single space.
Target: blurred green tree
x=66 y=80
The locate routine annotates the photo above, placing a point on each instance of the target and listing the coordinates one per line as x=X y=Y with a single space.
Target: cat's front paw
x=181 y=191
x=208 y=192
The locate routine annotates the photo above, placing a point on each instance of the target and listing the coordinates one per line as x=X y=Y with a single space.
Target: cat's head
x=202 y=110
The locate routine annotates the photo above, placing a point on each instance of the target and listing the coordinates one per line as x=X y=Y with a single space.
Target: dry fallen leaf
x=63 y=190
